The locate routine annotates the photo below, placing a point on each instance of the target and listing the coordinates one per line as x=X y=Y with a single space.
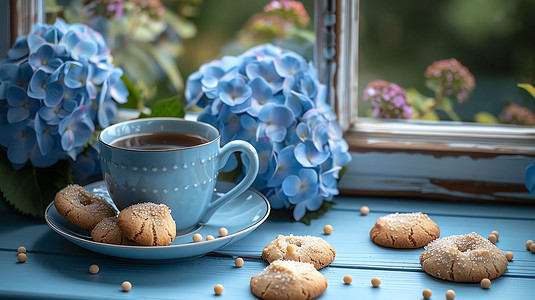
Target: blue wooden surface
x=58 y=269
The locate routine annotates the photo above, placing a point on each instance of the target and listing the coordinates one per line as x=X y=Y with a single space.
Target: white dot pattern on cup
x=195 y=185
x=154 y=191
x=202 y=161
x=175 y=167
x=134 y=168
x=204 y=182
x=144 y=168
x=154 y=169
x=123 y=167
x=175 y=189
x=164 y=169
x=184 y=166
x=143 y=190
x=186 y=187
x=193 y=164
x=164 y=191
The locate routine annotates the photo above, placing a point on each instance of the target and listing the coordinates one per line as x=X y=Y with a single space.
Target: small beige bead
x=427 y=293
x=239 y=262
x=509 y=255
x=496 y=234
x=290 y=248
x=21 y=249
x=94 y=269
x=528 y=244
x=328 y=229
x=127 y=286
x=485 y=283
x=348 y=279
x=223 y=231
x=376 y=281
x=218 y=289
x=532 y=248
x=210 y=237
x=197 y=237
x=492 y=238
x=22 y=257
x=450 y=295
x=364 y=211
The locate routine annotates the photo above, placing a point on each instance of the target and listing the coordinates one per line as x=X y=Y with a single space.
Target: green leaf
x=31 y=189
x=171 y=107
x=418 y=101
x=168 y=64
x=311 y=215
x=485 y=117
x=528 y=88
x=134 y=98
x=184 y=28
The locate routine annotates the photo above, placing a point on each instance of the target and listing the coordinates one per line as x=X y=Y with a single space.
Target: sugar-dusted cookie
x=82 y=208
x=148 y=224
x=284 y=279
x=308 y=249
x=107 y=231
x=463 y=258
x=413 y=230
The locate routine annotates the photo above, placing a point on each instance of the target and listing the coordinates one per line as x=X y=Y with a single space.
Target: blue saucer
x=240 y=216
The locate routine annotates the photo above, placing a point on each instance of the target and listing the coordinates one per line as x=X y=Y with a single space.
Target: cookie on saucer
x=284 y=279
x=406 y=231
x=107 y=231
x=82 y=208
x=148 y=224
x=310 y=249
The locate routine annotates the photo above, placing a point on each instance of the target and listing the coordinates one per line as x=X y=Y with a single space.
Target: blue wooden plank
x=52 y=276
x=451 y=208
x=350 y=239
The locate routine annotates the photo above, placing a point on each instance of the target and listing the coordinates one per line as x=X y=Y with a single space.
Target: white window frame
x=446 y=160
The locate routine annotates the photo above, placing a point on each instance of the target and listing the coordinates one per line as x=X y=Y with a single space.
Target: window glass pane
x=456 y=60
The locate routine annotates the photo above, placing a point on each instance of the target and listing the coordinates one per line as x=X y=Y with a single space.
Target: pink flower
x=450 y=78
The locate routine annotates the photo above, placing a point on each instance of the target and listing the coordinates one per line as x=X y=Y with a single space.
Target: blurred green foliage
x=493 y=38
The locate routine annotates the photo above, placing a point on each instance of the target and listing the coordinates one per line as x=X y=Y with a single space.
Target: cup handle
x=250 y=176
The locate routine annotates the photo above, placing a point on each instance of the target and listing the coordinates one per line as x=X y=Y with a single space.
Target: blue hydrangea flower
x=56 y=87
x=273 y=99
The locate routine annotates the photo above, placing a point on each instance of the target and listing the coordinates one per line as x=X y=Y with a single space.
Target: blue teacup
x=183 y=179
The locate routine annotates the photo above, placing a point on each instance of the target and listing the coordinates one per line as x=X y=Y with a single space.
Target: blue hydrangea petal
x=289 y=64
x=299 y=210
x=34 y=42
x=530 y=178
x=303 y=132
x=43 y=161
x=320 y=136
x=276 y=132
x=265 y=70
x=277 y=114
x=54 y=94
x=291 y=185
x=16 y=96
x=308 y=155
x=17 y=114
x=19 y=49
x=234 y=91
x=118 y=90
x=314 y=203
x=37 y=85
x=67 y=140
x=193 y=91
x=75 y=74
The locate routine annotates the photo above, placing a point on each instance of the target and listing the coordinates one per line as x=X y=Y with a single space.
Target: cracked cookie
x=463 y=258
x=107 y=231
x=309 y=249
x=412 y=230
x=284 y=279
x=82 y=208
x=148 y=224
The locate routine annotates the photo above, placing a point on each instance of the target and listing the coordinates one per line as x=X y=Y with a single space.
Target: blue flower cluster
x=272 y=98
x=56 y=86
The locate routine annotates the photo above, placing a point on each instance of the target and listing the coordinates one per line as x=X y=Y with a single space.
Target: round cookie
x=148 y=224
x=309 y=249
x=82 y=208
x=107 y=231
x=284 y=279
x=412 y=230
x=463 y=258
